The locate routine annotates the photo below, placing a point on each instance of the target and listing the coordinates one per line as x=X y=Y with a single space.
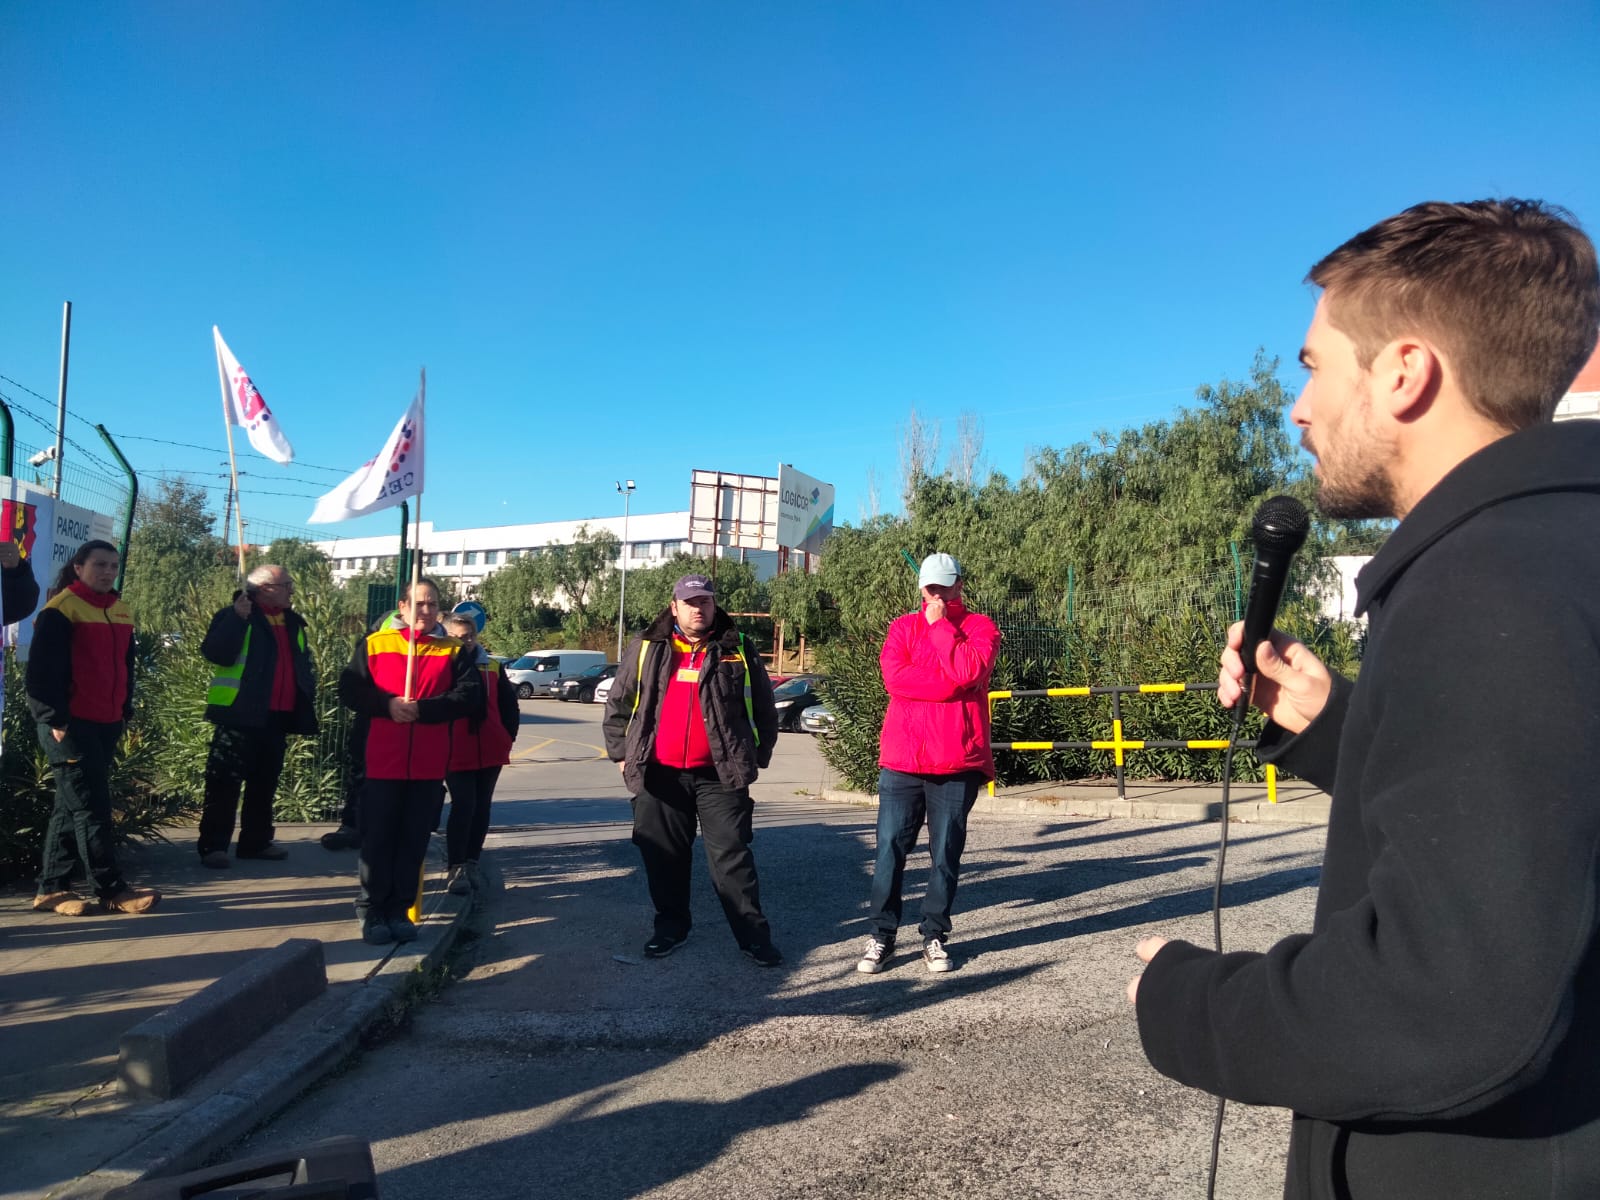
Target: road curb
x=1306 y=808
x=312 y=1043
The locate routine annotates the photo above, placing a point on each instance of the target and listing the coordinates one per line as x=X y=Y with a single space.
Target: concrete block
x=160 y=1056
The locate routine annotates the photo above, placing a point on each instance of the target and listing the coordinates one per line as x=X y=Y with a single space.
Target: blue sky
x=633 y=239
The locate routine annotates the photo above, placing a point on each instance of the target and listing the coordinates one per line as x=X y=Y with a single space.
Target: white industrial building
x=466 y=556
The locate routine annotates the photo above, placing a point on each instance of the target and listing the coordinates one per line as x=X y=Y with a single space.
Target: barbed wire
x=250 y=454
x=50 y=428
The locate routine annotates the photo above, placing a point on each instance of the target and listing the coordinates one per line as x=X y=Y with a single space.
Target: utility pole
x=622 y=598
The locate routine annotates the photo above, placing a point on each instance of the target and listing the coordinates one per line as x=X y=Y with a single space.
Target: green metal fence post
x=133 y=499
x=6 y=430
x=1238 y=582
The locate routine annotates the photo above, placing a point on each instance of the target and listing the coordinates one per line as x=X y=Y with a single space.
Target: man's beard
x=1362 y=497
x=1355 y=483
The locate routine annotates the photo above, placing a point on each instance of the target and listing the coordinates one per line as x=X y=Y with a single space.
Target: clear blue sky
x=632 y=239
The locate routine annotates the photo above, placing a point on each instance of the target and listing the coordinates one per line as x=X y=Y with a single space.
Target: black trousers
x=470 y=795
x=80 y=829
x=397 y=815
x=664 y=819
x=253 y=759
x=356 y=773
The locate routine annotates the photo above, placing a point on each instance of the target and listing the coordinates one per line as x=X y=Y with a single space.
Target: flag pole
x=233 y=465
x=416 y=543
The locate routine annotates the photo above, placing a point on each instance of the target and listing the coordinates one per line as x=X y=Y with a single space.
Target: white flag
x=242 y=405
x=395 y=475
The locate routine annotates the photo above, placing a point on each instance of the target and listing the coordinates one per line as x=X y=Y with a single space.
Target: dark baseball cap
x=692 y=585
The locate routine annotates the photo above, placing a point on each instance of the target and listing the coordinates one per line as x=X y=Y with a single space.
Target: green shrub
x=1170 y=648
x=158 y=779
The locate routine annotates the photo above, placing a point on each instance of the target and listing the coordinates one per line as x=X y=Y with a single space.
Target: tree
x=517 y=622
x=307 y=564
x=173 y=555
x=572 y=575
x=1112 y=560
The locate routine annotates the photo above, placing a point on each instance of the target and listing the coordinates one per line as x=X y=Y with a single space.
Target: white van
x=532 y=674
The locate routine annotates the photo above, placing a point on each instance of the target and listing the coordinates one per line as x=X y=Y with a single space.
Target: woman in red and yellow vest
x=80 y=690
x=479 y=746
x=408 y=751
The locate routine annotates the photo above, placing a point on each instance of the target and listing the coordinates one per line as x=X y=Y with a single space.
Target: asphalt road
x=560 y=1063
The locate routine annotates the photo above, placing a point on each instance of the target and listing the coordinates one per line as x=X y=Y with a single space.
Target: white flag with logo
x=242 y=405
x=395 y=475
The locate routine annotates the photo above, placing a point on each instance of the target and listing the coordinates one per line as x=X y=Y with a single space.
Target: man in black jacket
x=263 y=690
x=1437 y=1034
x=19 y=592
x=690 y=721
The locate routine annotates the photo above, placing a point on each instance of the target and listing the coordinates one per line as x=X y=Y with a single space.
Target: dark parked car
x=582 y=688
x=793 y=696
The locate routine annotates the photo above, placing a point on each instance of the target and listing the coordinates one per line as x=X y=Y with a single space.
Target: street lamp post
x=627 y=494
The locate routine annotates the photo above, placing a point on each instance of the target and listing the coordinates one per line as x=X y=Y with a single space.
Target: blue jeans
x=904 y=802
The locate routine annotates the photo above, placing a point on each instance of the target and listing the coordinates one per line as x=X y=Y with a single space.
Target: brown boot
x=133 y=900
x=68 y=904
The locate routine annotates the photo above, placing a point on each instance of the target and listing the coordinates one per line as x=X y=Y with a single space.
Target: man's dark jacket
x=1438 y=1033
x=225 y=641
x=19 y=592
x=737 y=750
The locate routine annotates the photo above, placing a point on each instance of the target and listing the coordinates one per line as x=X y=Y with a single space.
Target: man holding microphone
x=1437 y=1034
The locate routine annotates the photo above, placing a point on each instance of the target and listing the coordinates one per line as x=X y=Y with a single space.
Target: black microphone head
x=1280 y=524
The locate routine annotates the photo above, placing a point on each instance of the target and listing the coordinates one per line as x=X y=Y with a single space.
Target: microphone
x=1279 y=530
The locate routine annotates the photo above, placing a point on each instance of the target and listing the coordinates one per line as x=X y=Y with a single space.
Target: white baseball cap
x=939 y=570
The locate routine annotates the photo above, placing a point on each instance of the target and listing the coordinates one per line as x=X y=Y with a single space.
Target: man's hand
x=1291 y=684
x=1146 y=950
x=242 y=607
x=934 y=610
x=622 y=768
x=402 y=712
x=60 y=735
x=10 y=556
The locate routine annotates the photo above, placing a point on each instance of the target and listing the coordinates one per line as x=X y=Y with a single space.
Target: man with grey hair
x=263 y=689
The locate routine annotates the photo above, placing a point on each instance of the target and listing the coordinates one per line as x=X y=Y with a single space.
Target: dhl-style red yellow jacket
x=81 y=663
x=484 y=739
x=446 y=685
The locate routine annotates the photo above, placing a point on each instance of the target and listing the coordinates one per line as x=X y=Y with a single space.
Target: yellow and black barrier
x=1119 y=745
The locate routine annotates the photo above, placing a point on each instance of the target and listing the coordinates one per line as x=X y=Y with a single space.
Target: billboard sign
x=732 y=510
x=805 y=510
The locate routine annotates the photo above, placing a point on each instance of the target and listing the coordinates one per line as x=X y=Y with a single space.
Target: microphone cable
x=1216 y=905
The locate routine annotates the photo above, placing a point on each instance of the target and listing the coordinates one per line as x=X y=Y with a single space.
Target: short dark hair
x=69 y=572
x=405 y=592
x=1509 y=289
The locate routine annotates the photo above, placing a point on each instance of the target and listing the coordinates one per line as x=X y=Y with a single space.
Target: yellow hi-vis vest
x=224 y=689
x=749 y=704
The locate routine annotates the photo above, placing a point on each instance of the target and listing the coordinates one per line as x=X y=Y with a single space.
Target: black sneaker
x=764 y=955
x=663 y=944
x=341 y=839
x=933 y=953
x=876 y=956
x=271 y=852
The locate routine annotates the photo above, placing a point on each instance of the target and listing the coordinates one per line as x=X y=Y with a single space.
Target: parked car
x=603 y=689
x=583 y=687
x=532 y=674
x=793 y=696
x=817 y=719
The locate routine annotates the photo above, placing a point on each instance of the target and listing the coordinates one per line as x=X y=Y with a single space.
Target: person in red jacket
x=479 y=746
x=934 y=755
x=408 y=752
x=80 y=690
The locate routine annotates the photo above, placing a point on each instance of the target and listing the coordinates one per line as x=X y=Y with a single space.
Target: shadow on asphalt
x=625 y=1152
x=559 y=1016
